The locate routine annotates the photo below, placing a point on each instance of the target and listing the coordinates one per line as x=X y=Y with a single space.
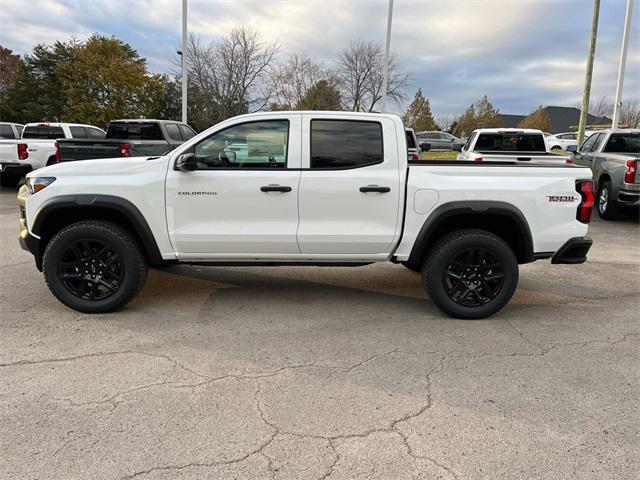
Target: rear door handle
x=375 y=188
x=275 y=188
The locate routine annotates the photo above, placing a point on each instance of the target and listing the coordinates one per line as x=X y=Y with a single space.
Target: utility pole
x=385 y=78
x=183 y=61
x=587 y=79
x=623 y=61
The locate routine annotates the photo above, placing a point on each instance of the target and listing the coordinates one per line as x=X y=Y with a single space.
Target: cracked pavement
x=323 y=373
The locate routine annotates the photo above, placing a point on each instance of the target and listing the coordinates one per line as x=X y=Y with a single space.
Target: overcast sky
x=521 y=53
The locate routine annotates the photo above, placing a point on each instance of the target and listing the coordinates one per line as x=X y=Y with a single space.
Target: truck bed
x=81 y=149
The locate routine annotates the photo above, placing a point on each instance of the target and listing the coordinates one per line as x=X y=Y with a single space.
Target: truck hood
x=103 y=166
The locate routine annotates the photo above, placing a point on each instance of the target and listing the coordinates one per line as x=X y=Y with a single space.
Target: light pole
x=385 y=78
x=589 y=73
x=183 y=61
x=623 y=62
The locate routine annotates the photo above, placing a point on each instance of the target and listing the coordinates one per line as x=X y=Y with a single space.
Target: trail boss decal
x=562 y=198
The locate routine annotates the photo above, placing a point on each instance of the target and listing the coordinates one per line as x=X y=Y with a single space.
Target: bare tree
x=630 y=113
x=292 y=79
x=360 y=71
x=230 y=74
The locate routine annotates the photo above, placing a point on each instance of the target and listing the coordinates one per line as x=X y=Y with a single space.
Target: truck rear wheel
x=607 y=207
x=470 y=273
x=94 y=266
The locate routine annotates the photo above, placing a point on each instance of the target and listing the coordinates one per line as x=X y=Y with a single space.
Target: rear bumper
x=629 y=198
x=573 y=251
x=15 y=168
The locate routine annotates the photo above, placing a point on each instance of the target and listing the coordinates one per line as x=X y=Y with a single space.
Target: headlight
x=35 y=184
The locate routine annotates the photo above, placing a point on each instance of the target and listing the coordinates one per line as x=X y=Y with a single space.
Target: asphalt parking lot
x=320 y=373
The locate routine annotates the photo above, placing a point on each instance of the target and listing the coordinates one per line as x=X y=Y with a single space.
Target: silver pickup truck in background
x=614 y=158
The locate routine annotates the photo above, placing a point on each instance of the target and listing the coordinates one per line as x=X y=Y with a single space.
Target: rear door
x=350 y=189
x=241 y=201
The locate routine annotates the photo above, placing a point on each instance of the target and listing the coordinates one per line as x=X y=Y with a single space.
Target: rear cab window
x=623 y=143
x=134 y=131
x=510 y=142
x=43 y=131
x=187 y=132
x=341 y=144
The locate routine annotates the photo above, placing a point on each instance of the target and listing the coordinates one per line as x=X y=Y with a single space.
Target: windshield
x=511 y=142
x=623 y=143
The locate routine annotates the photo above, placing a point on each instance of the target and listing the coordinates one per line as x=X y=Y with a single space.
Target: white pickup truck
x=509 y=145
x=302 y=188
x=37 y=148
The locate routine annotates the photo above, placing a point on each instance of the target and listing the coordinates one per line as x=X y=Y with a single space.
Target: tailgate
x=85 y=150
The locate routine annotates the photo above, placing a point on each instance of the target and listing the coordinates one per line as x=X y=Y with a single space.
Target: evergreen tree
x=418 y=116
x=320 y=96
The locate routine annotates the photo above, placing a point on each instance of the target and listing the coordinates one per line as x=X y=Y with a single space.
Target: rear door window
x=6 y=131
x=187 y=132
x=43 y=131
x=173 y=132
x=94 y=132
x=337 y=144
x=78 y=132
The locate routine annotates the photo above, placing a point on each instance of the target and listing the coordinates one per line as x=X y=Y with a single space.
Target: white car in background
x=37 y=148
x=560 y=141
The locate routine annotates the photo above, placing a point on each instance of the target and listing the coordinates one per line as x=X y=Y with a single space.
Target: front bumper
x=573 y=251
x=27 y=241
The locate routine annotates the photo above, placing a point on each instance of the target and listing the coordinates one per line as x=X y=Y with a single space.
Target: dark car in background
x=128 y=138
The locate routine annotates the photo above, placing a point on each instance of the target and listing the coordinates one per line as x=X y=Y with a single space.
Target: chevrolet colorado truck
x=509 y=145
x=128 y=138
x=614 y=157
x=37 y=148
x=302 y=188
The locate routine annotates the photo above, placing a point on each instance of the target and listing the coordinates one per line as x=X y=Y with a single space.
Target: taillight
x=23 y=154
x=478 y=159
x=57 y=152
x=586 y=189
x=125 y=150
x=568 y=161
x=413 y=157
x=630 y=174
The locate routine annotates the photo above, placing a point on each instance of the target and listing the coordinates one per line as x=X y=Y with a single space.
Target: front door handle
x=375 y=188
x=275 y=188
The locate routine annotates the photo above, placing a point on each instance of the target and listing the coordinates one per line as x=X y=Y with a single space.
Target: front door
x=350 y=194
x=242 y=197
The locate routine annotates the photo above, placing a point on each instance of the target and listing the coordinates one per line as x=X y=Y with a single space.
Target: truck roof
x=508 y=130
x=58 y=124
x=144 y=120
x=336 y=113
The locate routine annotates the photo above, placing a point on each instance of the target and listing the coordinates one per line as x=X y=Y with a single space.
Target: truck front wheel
x=94 y=266
x=470 y=273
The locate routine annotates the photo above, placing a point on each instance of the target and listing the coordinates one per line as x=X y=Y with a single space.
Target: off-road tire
x=133 y=263
x=443 y=253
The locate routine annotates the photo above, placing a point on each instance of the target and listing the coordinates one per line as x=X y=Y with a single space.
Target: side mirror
x=572 y=148
x=425 y=147
x=186 y=162
x=457 y=147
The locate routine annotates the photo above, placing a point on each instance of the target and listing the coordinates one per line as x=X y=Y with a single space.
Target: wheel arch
x=500 y=218
x=61 y=211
